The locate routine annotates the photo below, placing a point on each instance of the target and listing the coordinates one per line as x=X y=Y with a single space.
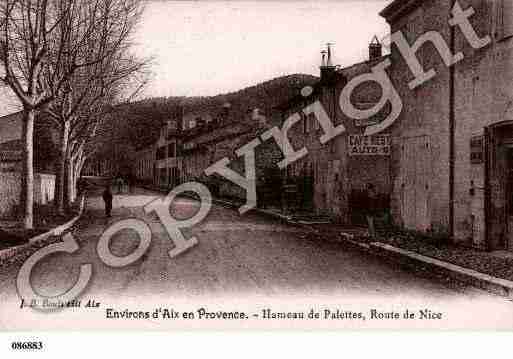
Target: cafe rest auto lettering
x=360 y=145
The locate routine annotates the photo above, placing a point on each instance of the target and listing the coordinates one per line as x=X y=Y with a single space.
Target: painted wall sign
x=376 y=145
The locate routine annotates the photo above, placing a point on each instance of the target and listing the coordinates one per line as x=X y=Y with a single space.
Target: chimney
x=329 y=63
x=375 y=49
x=327 y=69
x=323 y=59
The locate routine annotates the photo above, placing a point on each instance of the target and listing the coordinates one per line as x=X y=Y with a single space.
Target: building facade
x=451 y=158
x=333 y=178
x=167 y=170
x=221 y=137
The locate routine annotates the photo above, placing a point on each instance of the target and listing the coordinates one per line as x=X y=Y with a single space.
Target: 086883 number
x=27 y=345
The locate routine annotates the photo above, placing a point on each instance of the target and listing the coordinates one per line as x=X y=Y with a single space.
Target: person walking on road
x=107 y=198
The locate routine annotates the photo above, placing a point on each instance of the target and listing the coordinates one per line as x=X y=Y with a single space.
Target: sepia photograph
x=255 y=165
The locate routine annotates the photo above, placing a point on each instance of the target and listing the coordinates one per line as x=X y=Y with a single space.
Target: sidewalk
x=490 y=271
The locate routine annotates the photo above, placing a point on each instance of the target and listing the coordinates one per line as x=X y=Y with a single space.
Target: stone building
x=196 y=139
x=200 y=129
x=332 y=178
x=160 y=163
x=453 y=143
x=218 y=134
x=11 y=147
x=167 y=169
x=10 y=156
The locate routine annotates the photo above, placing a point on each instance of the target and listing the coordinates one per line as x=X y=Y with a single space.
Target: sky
x=203 y=48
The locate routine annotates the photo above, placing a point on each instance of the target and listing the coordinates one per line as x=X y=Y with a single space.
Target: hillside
x=139 y=122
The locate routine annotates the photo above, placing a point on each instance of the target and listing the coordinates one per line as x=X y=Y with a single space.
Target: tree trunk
x=76 y=164
x=61 y=174
x=76 y=175
x=81 y=165
x=68 y=184
x=73 y=181
x=27 y=178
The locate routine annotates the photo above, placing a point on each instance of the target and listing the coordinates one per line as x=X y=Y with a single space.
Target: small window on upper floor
x=161 y=153
x=505 y=19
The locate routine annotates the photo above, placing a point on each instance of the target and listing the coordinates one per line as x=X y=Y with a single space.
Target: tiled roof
x=398 y=7
x=10 y=151
x=14 y=145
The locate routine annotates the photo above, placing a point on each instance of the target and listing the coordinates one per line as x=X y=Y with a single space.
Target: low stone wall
x=9 y=193
x=10 y=186
x=44 y=188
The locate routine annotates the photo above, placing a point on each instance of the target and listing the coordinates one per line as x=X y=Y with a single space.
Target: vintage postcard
x=256 y=165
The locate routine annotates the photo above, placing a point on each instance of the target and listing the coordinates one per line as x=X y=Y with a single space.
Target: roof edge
x=398 y=7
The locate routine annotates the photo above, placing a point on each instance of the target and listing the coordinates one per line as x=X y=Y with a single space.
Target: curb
x=233 y=205
x=418 y=261
x=57 y=231
x=410 y=259
x=279 y=216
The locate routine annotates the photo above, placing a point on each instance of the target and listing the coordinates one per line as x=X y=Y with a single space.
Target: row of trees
x=69 y=60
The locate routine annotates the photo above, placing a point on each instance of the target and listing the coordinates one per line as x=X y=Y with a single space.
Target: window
x=161 y=153
x=316 y=125
x=505 y=19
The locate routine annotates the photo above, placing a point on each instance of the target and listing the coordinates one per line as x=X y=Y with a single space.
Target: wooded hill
x=138 y=123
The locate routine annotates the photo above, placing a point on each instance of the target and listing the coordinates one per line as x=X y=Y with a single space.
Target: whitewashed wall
x=10 y=184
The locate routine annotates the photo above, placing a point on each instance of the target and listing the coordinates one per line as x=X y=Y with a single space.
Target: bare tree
x=77 y=111
x=124 y=82
x=43 y=43
x=25 y=29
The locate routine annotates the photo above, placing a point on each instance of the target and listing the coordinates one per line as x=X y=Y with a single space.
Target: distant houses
x=329 y=181
x=189 y=144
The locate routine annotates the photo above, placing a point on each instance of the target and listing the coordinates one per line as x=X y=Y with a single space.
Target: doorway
x=509 y=195
x=416 y=173
x=499 y=186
